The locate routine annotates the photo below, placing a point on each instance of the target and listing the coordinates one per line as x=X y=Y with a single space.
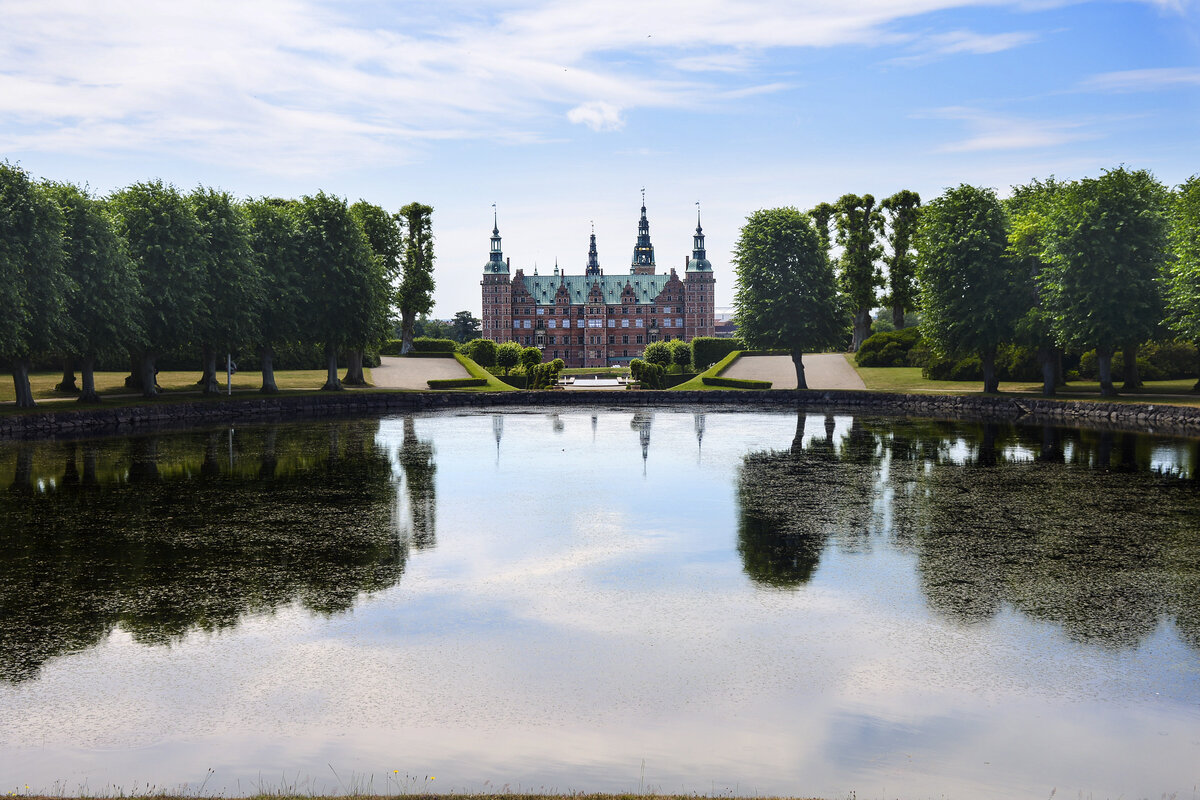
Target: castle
x=598 y=320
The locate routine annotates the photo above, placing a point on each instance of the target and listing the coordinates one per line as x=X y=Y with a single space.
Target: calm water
x=657 y=601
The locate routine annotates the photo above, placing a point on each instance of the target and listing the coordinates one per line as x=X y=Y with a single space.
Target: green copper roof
x=699 y=265
x=646 y=288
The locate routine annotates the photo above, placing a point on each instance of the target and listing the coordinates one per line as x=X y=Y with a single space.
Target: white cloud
x=935 y=46
x=1144 y=80
x=597 y=115
x=995 y=132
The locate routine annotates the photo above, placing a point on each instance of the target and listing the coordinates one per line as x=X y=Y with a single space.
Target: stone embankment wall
x=67 y=422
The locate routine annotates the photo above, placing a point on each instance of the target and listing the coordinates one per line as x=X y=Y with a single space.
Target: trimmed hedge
x=889 y=349
x=456 y=383
x=391 y=347
x=423 y=344
x=708 y=350
x=431 y=354
x=735 y=383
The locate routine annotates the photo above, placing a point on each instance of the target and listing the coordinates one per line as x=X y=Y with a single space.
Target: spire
x=593 y=263
x=643 y=251
x=699 y=261
x=496 y=261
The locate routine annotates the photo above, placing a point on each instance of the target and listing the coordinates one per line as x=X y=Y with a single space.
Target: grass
x=494 y=384
x=908 y=380
x=112 y=384
x=697 y=383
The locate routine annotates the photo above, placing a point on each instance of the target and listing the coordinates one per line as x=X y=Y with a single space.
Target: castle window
x=625 y=339
x=541 y=311
x=528 y=324
x=678 y=322
x=624 y=352
x=640 y=322
x=612 y=340
x=667 y=322
x=624 y=323
x=653 y=310
x=595 y=323
x=553 y=323
x=516 y=323
x=612 y=323
x=639 y=340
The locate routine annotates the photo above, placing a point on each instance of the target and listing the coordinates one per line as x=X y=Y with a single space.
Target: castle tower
x=643 y=251
x=593 y=264
x=496 y=322
x=699 y=285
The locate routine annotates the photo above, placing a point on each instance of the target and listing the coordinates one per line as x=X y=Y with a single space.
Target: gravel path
x=821 y=371
x=412 y=373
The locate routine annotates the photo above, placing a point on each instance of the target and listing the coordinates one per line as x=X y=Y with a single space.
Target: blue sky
x=561 y=112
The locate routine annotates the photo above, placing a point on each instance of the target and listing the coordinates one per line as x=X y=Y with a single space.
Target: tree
x=106 y=297
x=508 y=355
x=1028 y=209
x=283 y=306
x=657 y=353
x=33 y=282
x=233 y=286
x=415 y=295
x=1183 y=288
x=464 y=327
x=530 y=357
x=681 y=353
x=902 y=211
x=1105 y=249
x=482 y=352
x=968 y=300
x=859 y=224
x=428 y=327
x=383 y=234
x=786 y=290
x=166 y=242
x=337 y=263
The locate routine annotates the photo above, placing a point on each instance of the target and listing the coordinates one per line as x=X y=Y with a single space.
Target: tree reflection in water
x=163 y=535
x=1089 y=530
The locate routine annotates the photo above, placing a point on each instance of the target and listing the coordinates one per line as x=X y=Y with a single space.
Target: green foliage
x=968 y=300
x=649 y=375
x=464 y=327
x=275 y=245
x=1183 y=288
x=859 y=224
x=735 y=383
x=482 y=352
x=508 y=355
x=708 y=350
x=544 y=376
x=889 y=349
x=233 y=280
x=903 y=211
x=681 y=353
x=390 y=348
x=414 y=296
x=530 y=357
x=106 y=294
x=166 y=242
x=1157 y=361
x=658 y=353
x=1104 y=247
x=426 y=345
x=787 y=294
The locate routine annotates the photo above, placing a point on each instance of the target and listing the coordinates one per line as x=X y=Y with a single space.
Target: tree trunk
x=149 y=376
x=1104 y=363
x=987 y=446
x=134 y=379
x=270 y=461
x=797 y=359
x=407 y=318
x=354 y=369
x=862 y=328
x=20 y=373
x=1133 y=380
x=1049 y=362
x=71 y=465
x=332 y=384
x=23 y=471
x=266 y=356
x=91 y=457
x=87 y=367
x=143 y=460
x=67 y=385
x=208 y=381
x=991 y=384
x=898 y=317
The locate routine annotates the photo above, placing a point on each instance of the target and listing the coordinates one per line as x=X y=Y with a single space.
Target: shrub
x=1173 y=360
x=508 y=355
x=681 y=353
x=735 y=383
x=423 y=344
x=391 y=347
x=530 y=357
x=482 y=352
x=456 y=383
x=544 y=376
x=887 y=349
x=708 y=350
x=964 y=369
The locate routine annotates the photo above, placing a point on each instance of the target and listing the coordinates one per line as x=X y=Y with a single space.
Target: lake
x=603 y=600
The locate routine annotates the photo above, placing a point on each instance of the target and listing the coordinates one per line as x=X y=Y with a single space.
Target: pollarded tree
x=387 y=243
x=34 y=284
x=859 y=226
x=482 y=352
x=508 y=355
x=681 y=353
x=658 y=353
x=166 y=243
x=786 y=291
x=336 y=261
x=968 y=298
x=1028 y=210
x=105 y=301
x=234 y=281
x=275 y=243
x=1183 y=289
x=902 y=209
x=415 y=295
x=530 y=357
x=1105 y=252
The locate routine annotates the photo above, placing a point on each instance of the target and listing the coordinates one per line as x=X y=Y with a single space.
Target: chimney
x=507 y=263
x=685 y=263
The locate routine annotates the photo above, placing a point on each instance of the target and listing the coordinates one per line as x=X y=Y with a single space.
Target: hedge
x=456 y=383
x=391 y=347
x=708 y=350
x=423 y=344
x=889 y=349
x=735 y=383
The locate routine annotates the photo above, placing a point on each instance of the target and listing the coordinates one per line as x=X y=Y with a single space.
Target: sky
x=561 y=113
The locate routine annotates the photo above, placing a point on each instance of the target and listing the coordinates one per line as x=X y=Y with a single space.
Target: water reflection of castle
x=641 y=421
